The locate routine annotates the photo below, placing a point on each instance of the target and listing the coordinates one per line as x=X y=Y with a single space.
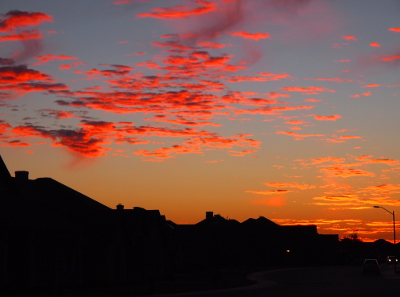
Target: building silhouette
x=53 y=237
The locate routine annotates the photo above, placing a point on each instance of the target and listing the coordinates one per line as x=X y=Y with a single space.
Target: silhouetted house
x=146 y=241
x=220 y=242
x=379 y=249
x=54 y=237
x=50 y=233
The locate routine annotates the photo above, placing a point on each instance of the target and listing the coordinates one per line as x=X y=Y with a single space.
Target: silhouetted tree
x=352 y=249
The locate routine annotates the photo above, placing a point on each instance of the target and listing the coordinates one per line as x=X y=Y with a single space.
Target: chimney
x=120 y=206
x=209 y=215
x=22 y=175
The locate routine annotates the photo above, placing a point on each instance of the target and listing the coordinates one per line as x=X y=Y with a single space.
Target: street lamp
x=394 y=231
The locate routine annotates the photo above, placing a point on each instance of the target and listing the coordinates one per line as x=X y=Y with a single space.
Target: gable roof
x=5 y=176
x=3 y=169
x=46 y=204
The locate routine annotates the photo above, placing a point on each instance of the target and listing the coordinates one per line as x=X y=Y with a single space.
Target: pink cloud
x=179 y=11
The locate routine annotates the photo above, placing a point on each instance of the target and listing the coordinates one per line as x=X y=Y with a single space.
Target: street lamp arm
x=392 y=213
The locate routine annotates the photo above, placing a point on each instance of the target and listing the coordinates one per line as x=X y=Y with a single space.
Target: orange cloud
x=306 y=89
x=24 y=35
x=318 y=222
x=20 y=19
x=241 y=153
x=164 y=153
x=394 y=29
x=21 y=73
x=274 y=95
x=271 y=77
x=367 y=159
x=334 y=140
x=76 y=141
x=298 y=136
x=91 y=138
x=383 y=189
x=121 y=2
x=271 y=110
x=349 y=137
x=295 y=122
x=375 y=44
x=381 y=201
x=60 y=114
x=181 y=121
x=269 y=192
x=371 y=86
x=335 y=79
x=49 y=57
x=345 y=172
x=64 y=67
x=349 y=37
x=18 y=80
x=247 y=35
x=325 y=160
x=290 y=185
x=312 y=100
x=390 y=58
x=210 y=44
x=233 y=79
x=343 y=199
x=327 y=118
x=197 y=144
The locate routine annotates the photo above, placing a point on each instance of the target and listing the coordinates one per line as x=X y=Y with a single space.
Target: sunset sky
x=287 y=109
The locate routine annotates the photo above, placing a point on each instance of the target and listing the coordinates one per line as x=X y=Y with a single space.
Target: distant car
x=371 y=266
x=392 y=259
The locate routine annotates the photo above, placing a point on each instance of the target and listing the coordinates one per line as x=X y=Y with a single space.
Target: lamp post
x=394 y=232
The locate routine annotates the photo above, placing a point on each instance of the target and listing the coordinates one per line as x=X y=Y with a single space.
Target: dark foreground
x=300 y=282
x=333 y=281
x=194 y=282
x=316 y=282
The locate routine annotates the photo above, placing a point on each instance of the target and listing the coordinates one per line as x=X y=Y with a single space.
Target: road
x=333 y=281
x=315 y=282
